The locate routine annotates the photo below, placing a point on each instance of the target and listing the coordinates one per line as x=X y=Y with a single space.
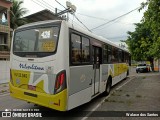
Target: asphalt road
x=7 y=102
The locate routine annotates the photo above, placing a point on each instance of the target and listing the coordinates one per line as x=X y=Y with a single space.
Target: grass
x=144 y=77
x=115 y=94
x=119 y=90
x=138 y=96
x=129 y=102
x=112 y=101
x=107 y=100
x=121 y=101
x=127 y=95
x=118 y=94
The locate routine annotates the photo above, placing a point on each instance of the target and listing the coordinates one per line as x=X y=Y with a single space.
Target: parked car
x=142 y=68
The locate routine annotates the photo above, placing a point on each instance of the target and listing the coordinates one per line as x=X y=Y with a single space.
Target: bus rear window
x=37 y=40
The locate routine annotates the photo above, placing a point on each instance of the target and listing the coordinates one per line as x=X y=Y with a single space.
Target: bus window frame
x=72 y=31
x=38 y=54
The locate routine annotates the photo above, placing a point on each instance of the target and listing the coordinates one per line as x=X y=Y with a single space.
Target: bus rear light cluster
x=60 y=83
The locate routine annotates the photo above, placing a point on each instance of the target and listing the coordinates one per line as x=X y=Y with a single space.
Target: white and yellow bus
x=60 y=66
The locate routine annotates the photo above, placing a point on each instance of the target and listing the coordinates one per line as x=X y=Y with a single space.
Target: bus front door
x=96 y=57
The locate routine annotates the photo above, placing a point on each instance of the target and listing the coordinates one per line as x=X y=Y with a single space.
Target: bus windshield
x=36 y=40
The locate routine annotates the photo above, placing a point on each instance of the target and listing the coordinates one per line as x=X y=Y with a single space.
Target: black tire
x=127 y=72
x=108 y=87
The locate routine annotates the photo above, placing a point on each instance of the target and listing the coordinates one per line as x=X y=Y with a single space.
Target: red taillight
x=60 y=82
x=62 y=77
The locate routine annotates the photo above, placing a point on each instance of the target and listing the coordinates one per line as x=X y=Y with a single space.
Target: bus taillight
x=60 y=83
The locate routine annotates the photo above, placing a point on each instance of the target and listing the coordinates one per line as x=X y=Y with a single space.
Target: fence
x=4 y=71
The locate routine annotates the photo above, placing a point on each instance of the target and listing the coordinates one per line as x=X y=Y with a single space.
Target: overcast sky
x=104 y=9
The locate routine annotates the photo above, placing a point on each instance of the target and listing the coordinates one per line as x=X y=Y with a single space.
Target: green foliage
x=139 y=42
x=144 y=42
x=16 y=14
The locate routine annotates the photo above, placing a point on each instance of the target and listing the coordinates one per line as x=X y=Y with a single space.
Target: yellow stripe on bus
x=57 y=101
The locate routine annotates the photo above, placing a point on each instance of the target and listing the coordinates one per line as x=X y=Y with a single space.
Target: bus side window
x=75 y=48
x=120 y=59
x=105 y=53
x=85 y=50
x=109 y=54
x=80 y=49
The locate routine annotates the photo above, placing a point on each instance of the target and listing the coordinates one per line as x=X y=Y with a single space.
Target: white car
x=142 y=68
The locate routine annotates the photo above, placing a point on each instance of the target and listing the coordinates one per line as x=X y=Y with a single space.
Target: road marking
x=94 y=109
x=103 y=100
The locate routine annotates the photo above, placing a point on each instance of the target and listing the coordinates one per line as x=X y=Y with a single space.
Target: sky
x=93 y=13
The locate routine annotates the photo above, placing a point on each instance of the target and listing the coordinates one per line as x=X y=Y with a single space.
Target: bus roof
x=77 y=28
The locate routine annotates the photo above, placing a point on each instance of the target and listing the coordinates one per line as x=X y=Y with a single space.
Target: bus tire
x=127 y=72
x=108 y=86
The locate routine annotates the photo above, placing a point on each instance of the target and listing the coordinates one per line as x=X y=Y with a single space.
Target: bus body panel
x=57 y=102
x=80 y=78
x=119 y=72
x=104 y=78
x=80 y=85
x=40 y=75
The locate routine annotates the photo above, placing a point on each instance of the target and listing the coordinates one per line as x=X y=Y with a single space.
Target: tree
x=139 y=42
x=16 y=14
x=144 y=42
x=152 y=19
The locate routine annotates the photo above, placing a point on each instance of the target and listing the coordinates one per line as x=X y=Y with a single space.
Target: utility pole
x=70 y=9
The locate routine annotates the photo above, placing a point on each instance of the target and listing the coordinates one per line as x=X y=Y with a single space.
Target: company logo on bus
x=30 y=67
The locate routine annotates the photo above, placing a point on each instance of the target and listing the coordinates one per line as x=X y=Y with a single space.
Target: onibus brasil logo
x=9 y=113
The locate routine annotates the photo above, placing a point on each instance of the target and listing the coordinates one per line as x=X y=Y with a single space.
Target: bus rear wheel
x=108 y=87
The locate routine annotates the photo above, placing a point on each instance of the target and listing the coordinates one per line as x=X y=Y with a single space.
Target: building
x=5 y=33
x=156 y=65
x=42 y=16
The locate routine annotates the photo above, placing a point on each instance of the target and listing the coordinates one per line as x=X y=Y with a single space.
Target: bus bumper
x=57 y=102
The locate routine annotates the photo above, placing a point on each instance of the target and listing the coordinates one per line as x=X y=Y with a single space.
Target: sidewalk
x=140 y=94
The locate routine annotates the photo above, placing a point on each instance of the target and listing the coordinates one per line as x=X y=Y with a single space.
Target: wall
x=4 y=71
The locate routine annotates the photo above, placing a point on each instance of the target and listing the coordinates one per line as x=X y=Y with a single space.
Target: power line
x=60 y=4
x=82 y=23
x=44 y=5
x=92 y=16
x=115 y=19
x=38 y=4
x=75 y=16
x=48 y=5
x=77 y=24
x=103 y=19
